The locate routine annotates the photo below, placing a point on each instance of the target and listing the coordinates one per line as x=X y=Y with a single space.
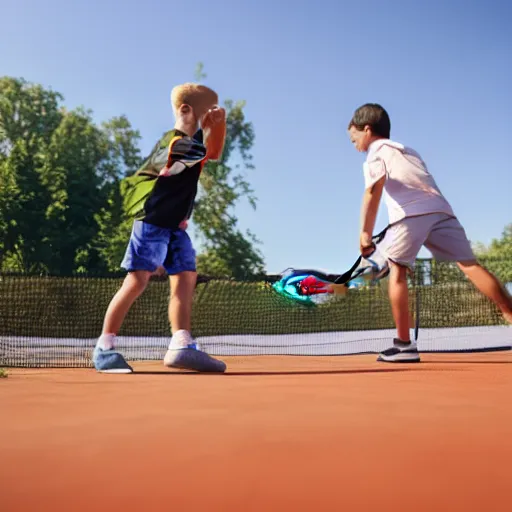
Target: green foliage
x=59 y=172
x=232 y=255
x=61 y=207
x=199 y=73
x=495 y=256
x=114 y=226
x=228 y=251
x=29 y=115
x=113 y=232
x=498 y=248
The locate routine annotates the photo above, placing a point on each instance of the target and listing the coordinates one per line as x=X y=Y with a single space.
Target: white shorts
x=440 y=233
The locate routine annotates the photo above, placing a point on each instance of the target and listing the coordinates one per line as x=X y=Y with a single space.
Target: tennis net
x=54 y=321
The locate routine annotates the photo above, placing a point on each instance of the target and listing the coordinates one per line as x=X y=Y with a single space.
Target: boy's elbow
x=376 y=189
x=379 y=185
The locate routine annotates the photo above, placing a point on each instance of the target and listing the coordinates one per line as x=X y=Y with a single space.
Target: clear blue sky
x=443 y=70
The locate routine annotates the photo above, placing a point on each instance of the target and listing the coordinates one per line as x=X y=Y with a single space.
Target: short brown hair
x=199 y=97
x=374 y=116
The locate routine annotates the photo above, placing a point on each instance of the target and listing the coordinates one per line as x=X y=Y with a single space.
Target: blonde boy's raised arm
x=214 y=132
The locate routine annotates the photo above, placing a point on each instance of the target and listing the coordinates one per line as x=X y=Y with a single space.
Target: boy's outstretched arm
x=369 y=209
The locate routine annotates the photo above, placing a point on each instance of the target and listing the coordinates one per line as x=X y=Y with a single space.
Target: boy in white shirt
x=418 y=215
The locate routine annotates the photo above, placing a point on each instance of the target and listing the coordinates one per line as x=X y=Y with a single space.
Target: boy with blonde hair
x=160 y=197
x=419 y=215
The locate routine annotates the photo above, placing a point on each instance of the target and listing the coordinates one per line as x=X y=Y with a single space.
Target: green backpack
x=137 y=188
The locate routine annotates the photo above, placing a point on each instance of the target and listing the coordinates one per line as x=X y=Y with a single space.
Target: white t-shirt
x=410 y=190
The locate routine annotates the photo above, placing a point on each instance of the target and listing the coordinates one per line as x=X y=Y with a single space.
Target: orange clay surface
x=272 y=434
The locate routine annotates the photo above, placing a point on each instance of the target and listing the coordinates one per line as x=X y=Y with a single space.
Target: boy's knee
x=467 y=265
x=136 y=282
x=398 y=272
x=183 y=285
x=470 y=267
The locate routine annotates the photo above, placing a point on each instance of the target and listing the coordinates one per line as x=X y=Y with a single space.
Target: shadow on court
x=286 y=372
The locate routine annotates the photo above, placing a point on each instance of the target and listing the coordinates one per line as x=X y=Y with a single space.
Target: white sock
x=181 y=339
x=106 y=341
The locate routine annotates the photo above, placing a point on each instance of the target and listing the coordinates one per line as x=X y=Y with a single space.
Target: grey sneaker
x=110 y=361
x=400 y=352
x=192 y=358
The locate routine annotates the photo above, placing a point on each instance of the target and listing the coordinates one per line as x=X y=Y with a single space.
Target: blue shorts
x=151 y=247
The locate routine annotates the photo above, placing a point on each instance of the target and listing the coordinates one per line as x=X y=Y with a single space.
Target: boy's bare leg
x=489 y=285
x=106 y=359
x=399 y=298
x=132 y=287
x=402 y=351
x=183 y=352
x=183 y=286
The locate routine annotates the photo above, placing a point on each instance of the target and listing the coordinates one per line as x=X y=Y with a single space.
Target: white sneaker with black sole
x=400 y=352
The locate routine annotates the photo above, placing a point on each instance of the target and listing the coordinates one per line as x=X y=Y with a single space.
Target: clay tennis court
x=274 y=433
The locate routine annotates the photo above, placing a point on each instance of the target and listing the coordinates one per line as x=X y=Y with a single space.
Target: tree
x=500 y=247
x=61 y=208
x=114 y=226
x=29 y=115
x=226 y=251
x=58 y=169
x=498 y=255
